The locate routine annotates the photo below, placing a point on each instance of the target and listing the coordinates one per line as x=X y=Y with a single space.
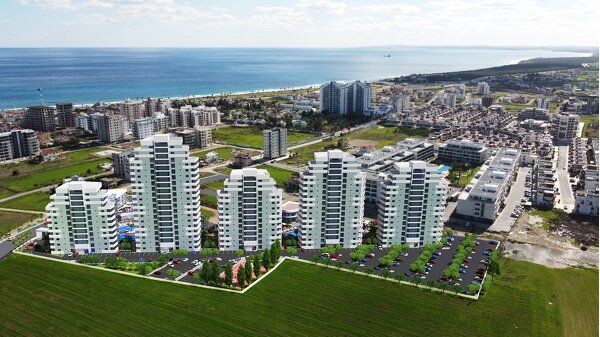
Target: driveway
x=504 y=221
x=564 y=187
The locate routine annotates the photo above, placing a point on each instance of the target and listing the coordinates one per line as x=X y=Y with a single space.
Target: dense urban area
x=444 y=182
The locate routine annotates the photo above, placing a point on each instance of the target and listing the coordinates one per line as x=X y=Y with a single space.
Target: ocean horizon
x=89 y=75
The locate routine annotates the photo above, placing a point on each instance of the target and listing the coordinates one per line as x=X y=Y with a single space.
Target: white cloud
x=335 y=7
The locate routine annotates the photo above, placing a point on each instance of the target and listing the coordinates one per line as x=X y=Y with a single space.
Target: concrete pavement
x=566 y=198
x=504 y=221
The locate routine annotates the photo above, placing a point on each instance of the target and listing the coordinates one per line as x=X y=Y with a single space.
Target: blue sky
x=296 y=23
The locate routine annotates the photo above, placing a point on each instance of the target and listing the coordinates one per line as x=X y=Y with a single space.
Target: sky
x=297 y=23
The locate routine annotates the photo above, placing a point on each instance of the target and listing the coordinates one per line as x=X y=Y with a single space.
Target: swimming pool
x=444 y=168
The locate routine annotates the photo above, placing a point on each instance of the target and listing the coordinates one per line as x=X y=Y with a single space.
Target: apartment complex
x=543 y=183
x=64 y=115
x=121 y=164
x=110 y=128
x=411 y=204
x=18 y=144
x=586 y=200
x=483 y=88
x=401 y=103
x=82 y=219
x=331 y=201
x=195 y=137
x=337 y=98
x=274 y=143
x=39 y=118
x=534 y=113
x=483 y=197
x=249 y=208
x=463 y=151
x=132 y=110
x=565 y=126
x=188 y=116
x=166 y=195
x=143 y=128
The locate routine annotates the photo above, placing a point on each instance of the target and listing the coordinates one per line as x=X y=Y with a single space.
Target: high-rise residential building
x=188 y=116
x=274 y=143
x=463 y=151
x=331 y=201
x=411 y=204
x=401 y=103
x=195 y=137
x=161 y=122
x=82 y=121
x=565 y=126
x=64 y=115
x=543 y=103
x=82 y=219
x=249 y=211
x=143 y=127
x=39 y=118
x=166 y=195
x=132 y=110
x=18 y=144
x=121 y=164
x=151 y=107
x=483 y=88
x=451 y=100
x=338 y=98
x=110 y=128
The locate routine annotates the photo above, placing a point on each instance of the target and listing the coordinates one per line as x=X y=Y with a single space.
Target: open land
x=252 y=137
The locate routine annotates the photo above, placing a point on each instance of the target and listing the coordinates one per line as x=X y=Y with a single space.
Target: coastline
x=316 y=85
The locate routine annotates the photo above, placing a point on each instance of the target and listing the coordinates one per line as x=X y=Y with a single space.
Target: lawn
x=225 y=153
x=51 y=298
x=33 y=202
x=31 y=176
x=590 y=126
x=306 y=153
x=12 y=220
x=213 y=185
x=387 y=135
x=462 y=177
x=208 y=200
x=252 y=137
x=281 y=176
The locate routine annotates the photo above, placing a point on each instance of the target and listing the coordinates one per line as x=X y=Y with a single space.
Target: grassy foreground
x=46 y=298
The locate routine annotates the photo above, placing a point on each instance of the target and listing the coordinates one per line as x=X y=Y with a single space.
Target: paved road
x=6 y=246
x=564 y=187
x=504 y=221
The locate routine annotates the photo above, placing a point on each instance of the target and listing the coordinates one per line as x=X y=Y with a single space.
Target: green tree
x=239 y=252
x=339 y=248
x=241 y=276
x=256 y=264
x=368 y=270
x=473 y=288
x=315 y=259
x=215 y=272
x=354 y=267
x=292 y=250
x=339 y=264
x=431 y=284
x=275 y=251
x=417 y=280
x=172 y=273
x=248 y=268
x=385 y=273
x=266 y=259
x=228 y=274
x=206 y=271
x=399 y=277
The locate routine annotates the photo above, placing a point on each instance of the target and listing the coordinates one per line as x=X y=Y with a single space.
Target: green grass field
x=12 y=220
x=281 y=176
x=32 y=176
x=214 y=185
x=208 y=200
x=590 y=126
x=387 y=135
x=33 y=202
x=306 y=153
x=225 y=153
x=46 y=298
x=252 y=137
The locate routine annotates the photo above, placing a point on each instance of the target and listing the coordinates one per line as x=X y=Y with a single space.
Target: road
x=504 y=221
x=6 y=246
x=564 y=186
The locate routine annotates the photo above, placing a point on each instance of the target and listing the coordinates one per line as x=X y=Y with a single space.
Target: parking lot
x=184 y=264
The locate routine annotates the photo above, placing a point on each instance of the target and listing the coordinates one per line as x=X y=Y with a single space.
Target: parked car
x=371 y=255
x=157 y=273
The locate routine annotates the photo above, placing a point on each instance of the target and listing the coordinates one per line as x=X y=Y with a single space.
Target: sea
x=90 y=75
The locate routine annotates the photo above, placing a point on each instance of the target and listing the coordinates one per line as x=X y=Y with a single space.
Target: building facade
x=18 y=144
x=64 y=115
x=249 y=208
x=110 y=128
x=274 y=143
x=40 y=118
x=82 y=219
x=121 y=164
x=565 y=126
x=143 y=128
x=331 y=201
x=338 y=98
x=410 y=204
x=166 y=195
x=463 y=151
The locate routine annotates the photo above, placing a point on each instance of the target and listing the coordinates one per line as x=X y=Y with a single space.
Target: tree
x=399 y=277
x=206 y=270
x=354 y=267
x=215 y=272
x=228 y=274
x=15 y=172
x=385 y=273
x=275 y=251
x=239 y=252
x=494 y=266
x=292 y=250
x=256 y=264
x=172 y=273
x=266 y=259
x=315 y=259
x=248 y=268
x=339 y=248
x=241 y=276
x=339 y=264
x=368 y=270
x=431 y=284
x=472 y=287
x=417 y=280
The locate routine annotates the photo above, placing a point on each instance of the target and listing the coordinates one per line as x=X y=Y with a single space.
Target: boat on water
x=388 y=55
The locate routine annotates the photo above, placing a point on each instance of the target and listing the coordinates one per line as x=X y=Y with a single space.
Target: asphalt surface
x=504 y=221
x=6 y=246
x=564 y=186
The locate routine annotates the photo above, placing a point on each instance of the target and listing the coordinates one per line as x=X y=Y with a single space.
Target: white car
x=185 y=259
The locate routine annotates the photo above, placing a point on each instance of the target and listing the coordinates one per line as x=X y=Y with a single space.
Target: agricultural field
x=525 y=300
x=32 y=202
x=281 y=176
x=12 y=220
x=252 y=137
x=386 y=135
x=23 y=176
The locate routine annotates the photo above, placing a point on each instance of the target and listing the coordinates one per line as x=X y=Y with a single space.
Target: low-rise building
x=195 y=137
x=463 y=151
x=586 y=200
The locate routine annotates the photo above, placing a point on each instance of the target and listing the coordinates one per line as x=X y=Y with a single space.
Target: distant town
x=380 y=177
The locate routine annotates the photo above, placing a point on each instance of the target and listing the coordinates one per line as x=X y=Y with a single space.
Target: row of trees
x=428 y=250
x=331 y=249
x=361 y=251
x=394 y=252
x=464 y=249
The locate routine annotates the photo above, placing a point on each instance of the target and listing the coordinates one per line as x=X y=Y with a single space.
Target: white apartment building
x=82 y=219
x=274 y=143
x=143 y=128
x=543 y=103
x=586 y=200
x=411 y=204
x=249 y=208
x=338 y=98
x=401 y=103
x=18 y=144
x=132 y=110
x=463 y=151
x=188 y=116
x=110 y=128
x=161 y=122
x=331 y=201
x=483 y=88
x=565 y=126
x=166 y=195
x=483 y=197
